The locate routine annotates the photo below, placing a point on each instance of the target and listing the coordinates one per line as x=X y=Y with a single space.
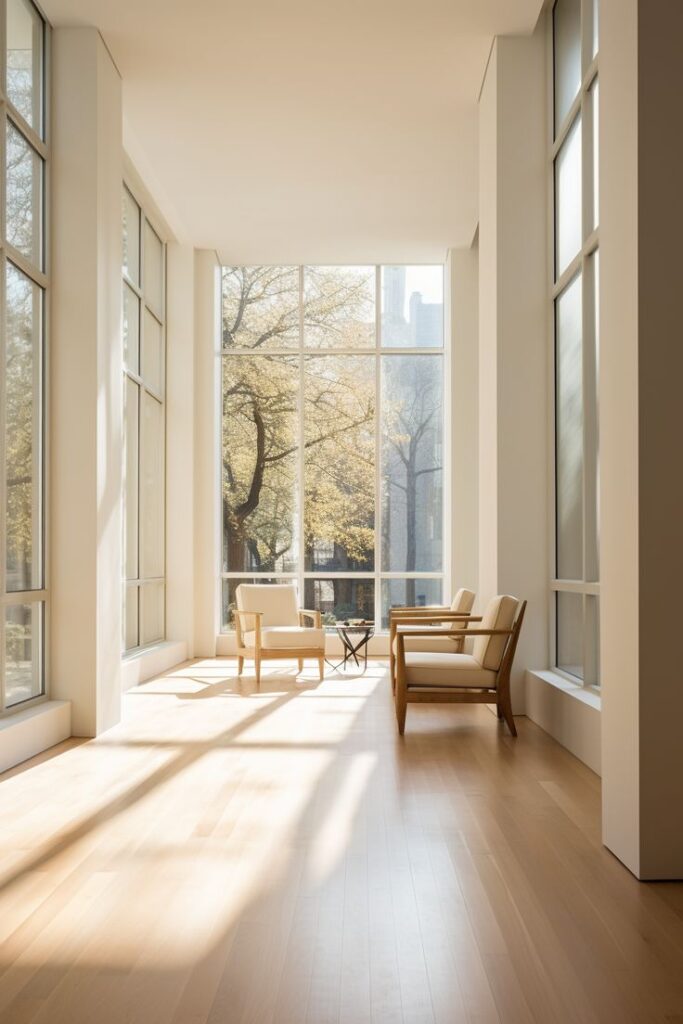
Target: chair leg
x=505 y=705
x=401 y=708
x=240 y=666
x=301 y=664
x=257 y=669
x=321 y=668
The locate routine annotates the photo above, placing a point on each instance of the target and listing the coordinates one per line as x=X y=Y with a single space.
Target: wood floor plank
x=280 y=856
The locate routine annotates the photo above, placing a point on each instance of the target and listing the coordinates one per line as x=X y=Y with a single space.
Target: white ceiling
x=304 y=130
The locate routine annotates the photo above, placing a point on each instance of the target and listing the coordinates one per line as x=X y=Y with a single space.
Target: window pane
x=260 y=307
x=260 y=467
x=131 y=637
x=338 y=599
x=131 y=329
x=130 y=483
x=154 y=270
x=592 y=641
x=412 y=592
x=229 y=601
x=595 y=35
x=339 y=484
x=25 y=60
x=152 y=457
x=569 y=433
x=412 y=307
x=570 y=633
x=339 y=307
x=412 y=430
x=131 y=237
x=591 y=350
x=152 y=612
x=24 y=197
x=594 y=100
x=568 y=199
x=23 y=658
x=23 y=412
x=567 y=50
x=153 y=353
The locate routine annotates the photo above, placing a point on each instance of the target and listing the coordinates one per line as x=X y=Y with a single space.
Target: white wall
x=206 y=516
x=641 y=483
x=85 y=382
x=463 y=270
x=180 y=477
x=513 y=423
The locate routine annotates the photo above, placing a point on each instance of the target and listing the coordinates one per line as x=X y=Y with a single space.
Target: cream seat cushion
x=452 y=671
x=277 y=602
x=500 y=614
x=282 y=637
x=461 y=603
x=442 y=644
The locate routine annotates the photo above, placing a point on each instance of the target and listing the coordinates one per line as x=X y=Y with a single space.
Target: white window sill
x=145 y=662
x=589 y=695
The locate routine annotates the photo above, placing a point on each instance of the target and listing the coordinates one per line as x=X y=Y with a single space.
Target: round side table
x=354 y=640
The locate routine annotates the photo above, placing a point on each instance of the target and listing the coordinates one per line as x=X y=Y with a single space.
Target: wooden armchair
x=481 y=677
x=269 y=625
x=436 y=621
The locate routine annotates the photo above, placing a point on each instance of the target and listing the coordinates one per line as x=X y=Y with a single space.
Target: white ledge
x=569 y=712
x=141 y=665
x=33 y=730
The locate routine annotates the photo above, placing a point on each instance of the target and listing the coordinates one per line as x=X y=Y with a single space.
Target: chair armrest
x=442 y=617
x=307 y=613
x=410 y=631
x=419 y=608
x=239 y=625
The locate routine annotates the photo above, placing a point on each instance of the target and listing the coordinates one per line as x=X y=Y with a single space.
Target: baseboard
x=30 y=732
x=569 y=713
x=151 y=661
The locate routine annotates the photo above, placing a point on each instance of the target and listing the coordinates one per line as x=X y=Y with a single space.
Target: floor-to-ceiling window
x=144 y=356
x=332 y=435
x=575 y=291
x=23 y=258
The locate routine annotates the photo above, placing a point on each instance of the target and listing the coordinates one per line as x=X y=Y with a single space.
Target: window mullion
x=3 y=477
x=378 y=445
x=301 y=442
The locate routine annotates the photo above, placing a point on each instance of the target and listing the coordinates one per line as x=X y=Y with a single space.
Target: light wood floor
x=231 y=856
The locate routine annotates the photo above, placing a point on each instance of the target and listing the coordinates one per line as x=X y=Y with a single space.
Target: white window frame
x=378 y=351
x=39 y=141
x=160 y=396
x=588 y=587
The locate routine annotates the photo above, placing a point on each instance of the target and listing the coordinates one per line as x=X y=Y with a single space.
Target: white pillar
x=86 y=381
x=514 y=343
x=463 y=267
x=180 y=410
x=641 y=482
x=206 y=453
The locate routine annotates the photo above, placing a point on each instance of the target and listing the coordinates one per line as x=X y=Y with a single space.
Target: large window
x=332 y=435
x=22 y=358
x=575 y=314
x=144 y=355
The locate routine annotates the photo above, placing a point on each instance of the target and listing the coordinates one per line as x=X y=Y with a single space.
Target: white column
x=514 y=344
x=86 y=381
x=641 y=483
x=206 y=453
x=463 y=266
x=180 y=409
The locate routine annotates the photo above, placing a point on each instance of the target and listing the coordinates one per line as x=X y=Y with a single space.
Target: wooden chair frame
x=259 y=653
x=498 y=694
x=423 y=616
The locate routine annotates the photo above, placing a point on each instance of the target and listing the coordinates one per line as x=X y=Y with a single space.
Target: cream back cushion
x=463 y=601
x=277 y=601
x=500 y=614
